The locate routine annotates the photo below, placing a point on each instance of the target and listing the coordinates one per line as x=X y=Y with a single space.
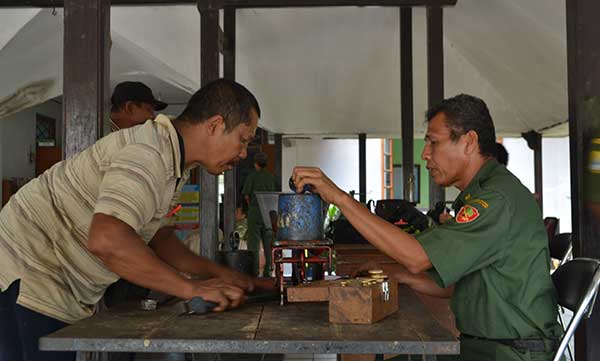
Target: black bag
x=341 y=231
x=395 y=210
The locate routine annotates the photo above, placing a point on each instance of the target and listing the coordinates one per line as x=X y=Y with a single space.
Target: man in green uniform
x=493 y=256
x=259 y=181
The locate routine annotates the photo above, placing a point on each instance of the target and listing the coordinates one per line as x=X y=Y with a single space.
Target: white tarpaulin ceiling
x=332 y=71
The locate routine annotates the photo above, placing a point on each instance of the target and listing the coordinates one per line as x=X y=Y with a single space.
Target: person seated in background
x=241 y=224
x=241 y=228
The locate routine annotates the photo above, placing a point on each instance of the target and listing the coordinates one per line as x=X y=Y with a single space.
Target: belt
x=523 y=344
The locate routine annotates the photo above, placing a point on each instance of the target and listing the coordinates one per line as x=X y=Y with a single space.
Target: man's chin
x=437 y=180
x=220 y=170
x=214 y=171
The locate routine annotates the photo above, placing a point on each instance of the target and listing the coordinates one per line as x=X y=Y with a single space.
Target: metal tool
x=196 y=306
x=148 y=304
x=306 y=188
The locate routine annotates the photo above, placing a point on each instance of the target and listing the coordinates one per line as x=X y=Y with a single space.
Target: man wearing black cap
x=259 y=181
x=132 y=103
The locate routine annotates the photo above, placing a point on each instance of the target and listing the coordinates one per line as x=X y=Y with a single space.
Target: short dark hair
x=501 y=154
x=222 y=97
x=465 y=113
x=261 y=158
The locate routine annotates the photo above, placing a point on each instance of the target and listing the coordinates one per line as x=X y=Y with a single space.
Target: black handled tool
x=306 y=188
x=197 y=306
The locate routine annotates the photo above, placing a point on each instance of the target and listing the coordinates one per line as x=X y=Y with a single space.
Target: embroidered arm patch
x=467 y=214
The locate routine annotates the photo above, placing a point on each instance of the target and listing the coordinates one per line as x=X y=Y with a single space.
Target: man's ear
x=214 y=123
x=472 y=142
x=128 y=107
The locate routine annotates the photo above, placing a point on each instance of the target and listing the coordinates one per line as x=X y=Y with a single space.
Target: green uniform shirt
x=258 y=181
x=495 y=251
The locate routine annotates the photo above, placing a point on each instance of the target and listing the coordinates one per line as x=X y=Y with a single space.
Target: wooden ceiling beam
x=220 y=4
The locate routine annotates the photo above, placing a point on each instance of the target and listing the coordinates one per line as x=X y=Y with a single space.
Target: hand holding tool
x=197 y=306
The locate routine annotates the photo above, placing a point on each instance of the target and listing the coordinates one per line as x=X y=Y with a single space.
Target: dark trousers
x=20 y=330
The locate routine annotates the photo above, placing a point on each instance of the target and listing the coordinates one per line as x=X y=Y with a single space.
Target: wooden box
x=360 y=304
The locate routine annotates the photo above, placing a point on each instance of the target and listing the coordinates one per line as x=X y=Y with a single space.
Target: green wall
x=419 y=144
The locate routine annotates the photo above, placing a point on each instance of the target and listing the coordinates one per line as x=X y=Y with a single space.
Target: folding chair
x=576 y=283
x=561 y=247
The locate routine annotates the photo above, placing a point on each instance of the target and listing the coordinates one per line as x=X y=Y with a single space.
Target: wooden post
x=583 y=58
x=406 y=100
x=209 y=71
x=362 y=167
x=86 y=78
x=86 y=73
x=435 y=80
x=231 y=189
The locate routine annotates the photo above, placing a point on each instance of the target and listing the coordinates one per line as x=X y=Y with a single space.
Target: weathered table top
x=257 y=328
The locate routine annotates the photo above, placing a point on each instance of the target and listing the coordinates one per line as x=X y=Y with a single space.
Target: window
x=45 y=131
x=387 y=171
x=398 y=182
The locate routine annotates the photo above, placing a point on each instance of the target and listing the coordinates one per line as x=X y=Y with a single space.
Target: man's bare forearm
x=126 y=254
x=397 y=244
x=171 y=250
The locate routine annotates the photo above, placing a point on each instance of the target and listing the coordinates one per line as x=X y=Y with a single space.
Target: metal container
x=300 y=217
x=240 y=260
x=268 y=204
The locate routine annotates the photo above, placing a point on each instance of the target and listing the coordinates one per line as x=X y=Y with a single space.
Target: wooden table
x=257 y=328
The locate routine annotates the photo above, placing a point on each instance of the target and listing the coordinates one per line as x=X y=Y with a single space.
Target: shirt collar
x=474 y=186
x=113 y=126
x=175 y=143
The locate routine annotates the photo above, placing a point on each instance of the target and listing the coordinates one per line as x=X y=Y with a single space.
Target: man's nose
x=426 y=153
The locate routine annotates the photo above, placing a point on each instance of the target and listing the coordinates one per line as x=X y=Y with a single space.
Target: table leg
x=91 y=356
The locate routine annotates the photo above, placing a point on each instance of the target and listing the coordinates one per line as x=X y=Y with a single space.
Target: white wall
x=17 y=138
x=557 y=180
x=555 y=174
x=520 y=161
x=374 y=181
x=339 y=160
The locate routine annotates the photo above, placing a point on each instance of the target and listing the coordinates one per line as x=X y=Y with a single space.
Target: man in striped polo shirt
x=94 y=218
